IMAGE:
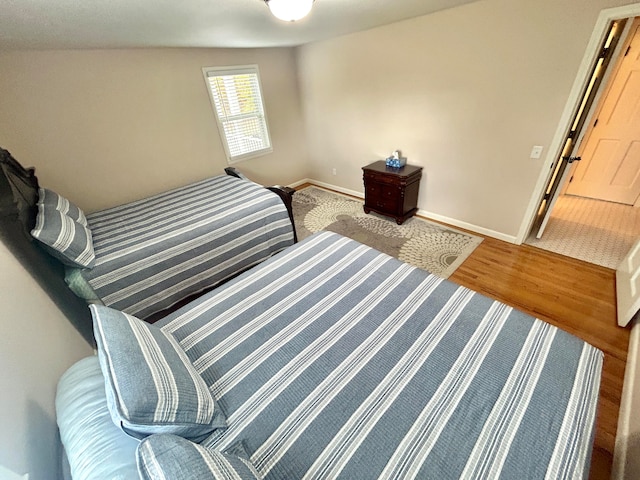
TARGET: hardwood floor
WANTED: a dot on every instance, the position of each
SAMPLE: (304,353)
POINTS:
(576,296)
(573,295)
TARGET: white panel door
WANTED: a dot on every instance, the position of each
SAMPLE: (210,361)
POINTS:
(610,166)
(628,286)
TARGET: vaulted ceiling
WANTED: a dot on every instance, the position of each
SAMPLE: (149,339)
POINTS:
(70,24)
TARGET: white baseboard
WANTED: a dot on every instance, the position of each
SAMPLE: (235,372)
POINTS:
(299,182)
(467,226)
(346,191)
(423,213)
(628,406)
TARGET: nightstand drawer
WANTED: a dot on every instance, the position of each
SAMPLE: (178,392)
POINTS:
(388,205)
(375,177)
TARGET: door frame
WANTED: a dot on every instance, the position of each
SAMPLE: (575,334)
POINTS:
(630,33)
(610,51)
(575,97)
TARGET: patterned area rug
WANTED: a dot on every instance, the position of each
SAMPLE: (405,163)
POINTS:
(432,247)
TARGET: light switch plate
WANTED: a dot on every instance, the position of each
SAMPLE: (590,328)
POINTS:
(536,151)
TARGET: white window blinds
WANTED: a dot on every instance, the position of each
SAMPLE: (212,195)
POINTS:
(237,101)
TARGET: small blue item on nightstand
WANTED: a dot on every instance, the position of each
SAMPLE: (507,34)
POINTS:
(396,160)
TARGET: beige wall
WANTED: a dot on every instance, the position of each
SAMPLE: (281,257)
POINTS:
(108,126)
(464,92)
(37,344)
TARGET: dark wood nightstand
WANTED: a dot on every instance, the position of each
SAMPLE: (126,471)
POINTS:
(391,191)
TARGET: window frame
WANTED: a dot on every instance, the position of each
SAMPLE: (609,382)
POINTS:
(237,70)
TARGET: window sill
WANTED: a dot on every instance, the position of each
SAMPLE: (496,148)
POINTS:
(249,156)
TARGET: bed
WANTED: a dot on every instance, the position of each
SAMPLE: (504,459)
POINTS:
(155,252)
(149,255)
(333,360)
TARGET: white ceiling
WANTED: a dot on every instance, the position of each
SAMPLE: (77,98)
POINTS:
(67,24)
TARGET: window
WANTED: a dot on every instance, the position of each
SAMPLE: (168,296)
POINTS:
(237,103)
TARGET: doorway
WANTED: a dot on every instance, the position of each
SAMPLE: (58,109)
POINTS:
(610,169)
(591,206)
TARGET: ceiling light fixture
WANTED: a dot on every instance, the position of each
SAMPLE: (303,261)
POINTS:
(289,10)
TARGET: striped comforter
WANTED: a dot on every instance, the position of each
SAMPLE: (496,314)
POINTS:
(155,252)
(334,360)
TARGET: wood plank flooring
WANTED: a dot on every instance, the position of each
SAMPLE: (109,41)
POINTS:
(577,297)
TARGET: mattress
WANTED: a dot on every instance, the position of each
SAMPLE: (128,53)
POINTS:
(333,360)
(95,446)
(157,251)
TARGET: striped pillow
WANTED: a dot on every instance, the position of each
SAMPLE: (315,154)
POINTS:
(169,457)
(151,385)
(66,239)
(51,198)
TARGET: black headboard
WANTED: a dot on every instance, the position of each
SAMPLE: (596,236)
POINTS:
(18,198)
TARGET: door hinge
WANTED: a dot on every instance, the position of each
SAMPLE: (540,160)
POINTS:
(571,179)
(627,51)
(596,122)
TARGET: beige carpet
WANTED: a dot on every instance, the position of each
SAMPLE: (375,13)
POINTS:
(590,230)
(427,245)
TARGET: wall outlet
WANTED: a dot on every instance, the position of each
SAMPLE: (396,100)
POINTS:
(536,151)
(334,171)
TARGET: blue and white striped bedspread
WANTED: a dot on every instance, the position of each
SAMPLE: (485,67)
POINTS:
(333,360)
(155,252)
